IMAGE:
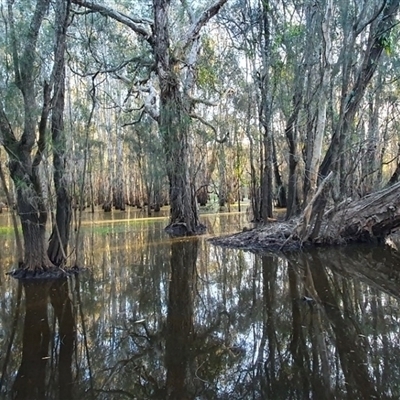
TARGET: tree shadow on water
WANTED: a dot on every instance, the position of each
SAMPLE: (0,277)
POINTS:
(48,344)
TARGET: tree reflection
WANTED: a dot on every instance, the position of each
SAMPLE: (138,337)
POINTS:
(30,379)
(180,330)
(351,349)
(181,320)
(46,371)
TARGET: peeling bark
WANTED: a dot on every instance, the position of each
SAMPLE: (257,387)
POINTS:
(60,234)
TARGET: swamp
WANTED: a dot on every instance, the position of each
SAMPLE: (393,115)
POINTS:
(199,199)
(158,318)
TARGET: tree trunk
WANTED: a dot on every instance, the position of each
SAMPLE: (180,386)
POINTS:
(174,125)
(60,234)
(119,187)
(371,218)
(222,189)
(265,118)
(378,37)
(24,165)
(33,216)
(321,119)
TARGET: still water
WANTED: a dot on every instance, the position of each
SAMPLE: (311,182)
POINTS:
(154,318)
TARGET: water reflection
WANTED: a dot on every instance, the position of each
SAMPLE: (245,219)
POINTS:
(46,350)
(161,319)
(180,330)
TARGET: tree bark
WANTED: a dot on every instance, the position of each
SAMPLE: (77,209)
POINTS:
(24,165)
(174,124)
(371,218)
(265,116)
(60,234)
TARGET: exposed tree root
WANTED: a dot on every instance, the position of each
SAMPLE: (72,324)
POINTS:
(273,237)
(45,273)
(367,220)
(180,229)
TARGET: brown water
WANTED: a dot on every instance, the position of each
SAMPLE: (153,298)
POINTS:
(159,319)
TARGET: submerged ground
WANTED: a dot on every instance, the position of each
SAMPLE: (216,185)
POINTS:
(154,318)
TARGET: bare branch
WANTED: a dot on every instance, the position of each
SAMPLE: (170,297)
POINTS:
(136,121)
(138,25)
(210,125)
(196,100)
(203,121)
(195,29)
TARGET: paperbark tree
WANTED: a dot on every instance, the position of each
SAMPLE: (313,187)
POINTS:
(24,164)
(317,141)
(265,113)
(60,233)
(380,26)
(175,70)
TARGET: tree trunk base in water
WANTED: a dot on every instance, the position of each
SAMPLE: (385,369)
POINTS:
(107,207)
(39,274)
(180,229)
(367,220)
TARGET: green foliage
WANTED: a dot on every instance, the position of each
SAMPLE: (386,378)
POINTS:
(6,230)
(206,67)
(289,39)
(386,41)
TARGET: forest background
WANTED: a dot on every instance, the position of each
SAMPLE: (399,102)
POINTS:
(184,103)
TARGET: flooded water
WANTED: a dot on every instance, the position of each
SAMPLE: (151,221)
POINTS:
(154,318)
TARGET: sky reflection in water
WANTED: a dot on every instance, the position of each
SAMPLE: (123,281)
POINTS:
(159,319)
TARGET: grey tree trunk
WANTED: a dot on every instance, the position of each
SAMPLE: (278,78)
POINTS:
(59,238)
(333,160)
(24,168)
(174,124)
(265,118)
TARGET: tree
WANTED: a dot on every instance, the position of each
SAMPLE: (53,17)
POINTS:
(381,23)
(60,233)
(175,70)
(24,164)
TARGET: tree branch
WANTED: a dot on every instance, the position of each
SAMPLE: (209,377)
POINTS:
(14,46)
(195,29)
(197,100)
(203,121)
(210,125)
(7,137)
(136,121)
(138,25)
